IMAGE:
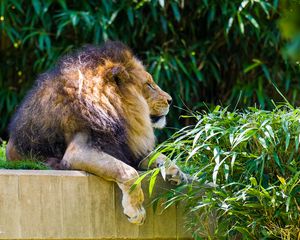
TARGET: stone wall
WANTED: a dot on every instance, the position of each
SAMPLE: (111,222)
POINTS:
(76,205)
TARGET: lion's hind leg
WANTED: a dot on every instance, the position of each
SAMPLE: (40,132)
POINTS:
(56,163)
(80,156)
(12,152)
(13,155)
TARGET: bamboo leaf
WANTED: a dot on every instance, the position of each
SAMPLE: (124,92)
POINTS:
(252,20)
(153,180)
(37,6)
(241,23)
(175,11)
(130,16)
(162,3)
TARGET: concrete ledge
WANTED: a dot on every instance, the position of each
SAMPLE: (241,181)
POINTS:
(76,205)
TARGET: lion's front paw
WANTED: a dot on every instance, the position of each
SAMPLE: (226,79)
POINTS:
(175,176)
(133,208)
(177,179)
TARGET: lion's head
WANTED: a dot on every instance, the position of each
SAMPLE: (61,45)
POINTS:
(158,102)
(137,85)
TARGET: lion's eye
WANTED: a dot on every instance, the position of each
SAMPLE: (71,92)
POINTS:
(151,86)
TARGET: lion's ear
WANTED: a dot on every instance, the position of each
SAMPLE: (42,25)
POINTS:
(118,74)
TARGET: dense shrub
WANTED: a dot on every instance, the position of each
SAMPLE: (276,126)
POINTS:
(213,51)
(247,168)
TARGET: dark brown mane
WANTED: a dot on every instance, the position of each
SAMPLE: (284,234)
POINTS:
(91,56)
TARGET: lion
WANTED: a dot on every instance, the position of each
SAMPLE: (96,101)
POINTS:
(95,111)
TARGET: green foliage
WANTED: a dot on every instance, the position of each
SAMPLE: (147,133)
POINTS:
(24,164)
(213,51)
(290,27)
(247,168)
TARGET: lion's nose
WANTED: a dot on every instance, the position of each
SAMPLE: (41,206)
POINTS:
(170,101)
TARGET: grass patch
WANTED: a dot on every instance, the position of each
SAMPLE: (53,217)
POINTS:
(248,169)
(24,164)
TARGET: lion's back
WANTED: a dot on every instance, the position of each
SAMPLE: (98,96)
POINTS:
(36,127)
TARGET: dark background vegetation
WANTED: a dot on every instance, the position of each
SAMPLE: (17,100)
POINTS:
(224,52)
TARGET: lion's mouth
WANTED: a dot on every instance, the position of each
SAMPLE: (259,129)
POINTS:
(155,118)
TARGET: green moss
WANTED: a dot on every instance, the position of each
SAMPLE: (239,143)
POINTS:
(23,164)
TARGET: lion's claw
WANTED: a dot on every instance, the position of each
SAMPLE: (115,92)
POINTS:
(139,218)
(177,179)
